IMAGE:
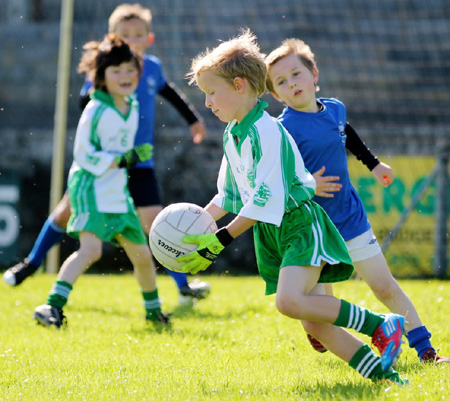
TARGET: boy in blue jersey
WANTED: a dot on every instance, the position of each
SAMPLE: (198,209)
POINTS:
(134,24)
(101,207)
(320,129)
(262,179)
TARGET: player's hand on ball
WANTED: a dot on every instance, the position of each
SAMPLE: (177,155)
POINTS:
(209,248)
(140,153)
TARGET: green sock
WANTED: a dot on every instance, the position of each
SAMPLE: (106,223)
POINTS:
(59,294)
(360,319)
(368,365)
(152,304)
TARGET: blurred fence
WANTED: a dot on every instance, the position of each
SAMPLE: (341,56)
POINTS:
(388,61)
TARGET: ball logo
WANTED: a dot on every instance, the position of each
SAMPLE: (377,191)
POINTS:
(170,249)
(194,210)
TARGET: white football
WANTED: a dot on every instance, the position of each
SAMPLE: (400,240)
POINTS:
(171,225)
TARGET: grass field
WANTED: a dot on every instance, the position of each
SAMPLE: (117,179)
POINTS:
(232,346)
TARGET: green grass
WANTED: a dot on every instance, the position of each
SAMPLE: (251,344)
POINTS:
(232,346)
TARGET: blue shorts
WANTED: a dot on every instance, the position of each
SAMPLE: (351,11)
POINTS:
(143,187)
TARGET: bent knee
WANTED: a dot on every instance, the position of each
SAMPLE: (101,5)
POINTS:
(290,306)
(62,217)
(62,212)
(315,329)
(91,255)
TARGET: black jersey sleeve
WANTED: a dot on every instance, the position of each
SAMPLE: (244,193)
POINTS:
(356,146)
(172,94)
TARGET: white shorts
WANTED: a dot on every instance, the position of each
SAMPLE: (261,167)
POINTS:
(363,247)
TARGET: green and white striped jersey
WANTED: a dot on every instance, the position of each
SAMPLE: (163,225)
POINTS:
(102,134)
(262,175)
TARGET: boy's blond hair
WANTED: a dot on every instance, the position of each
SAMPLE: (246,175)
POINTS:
(127,11)
(237,57)
(291,46)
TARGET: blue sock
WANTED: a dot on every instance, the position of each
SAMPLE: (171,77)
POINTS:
(180,278)
(419,338)
(51,234)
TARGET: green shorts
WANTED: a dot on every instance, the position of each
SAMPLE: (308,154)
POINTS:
(306,237)
(107,226)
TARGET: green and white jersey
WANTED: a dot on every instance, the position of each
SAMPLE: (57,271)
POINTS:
(102,134)
(262,175)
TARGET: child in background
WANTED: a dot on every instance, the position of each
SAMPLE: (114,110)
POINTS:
(263,180)
(101,207)
(134,23)
(320,129)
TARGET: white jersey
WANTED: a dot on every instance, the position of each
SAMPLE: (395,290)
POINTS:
(102,134)
(262,175)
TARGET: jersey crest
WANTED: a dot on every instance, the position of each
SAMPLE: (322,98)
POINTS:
(262,195)
(342,133)
(151,85)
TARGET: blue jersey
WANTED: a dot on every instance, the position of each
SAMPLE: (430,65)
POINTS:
(321,138)
(151,82)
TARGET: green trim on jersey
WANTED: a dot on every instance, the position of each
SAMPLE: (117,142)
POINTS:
(241,130)
(296,192)
(256,148)
(94,138)
(288,171)
(232,201)
(262,175)
(107,99)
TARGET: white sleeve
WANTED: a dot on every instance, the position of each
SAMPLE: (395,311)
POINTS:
(268,199)
(219,199)
(87,154)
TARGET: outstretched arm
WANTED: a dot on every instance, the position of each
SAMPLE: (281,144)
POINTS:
(382,172)
(356,146)
(178,100)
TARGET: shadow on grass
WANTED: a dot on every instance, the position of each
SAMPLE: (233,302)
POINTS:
(344,391)
(179,313)
(112,311)
(321,390)
(189,312)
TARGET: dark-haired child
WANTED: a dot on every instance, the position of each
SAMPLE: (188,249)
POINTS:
(101,207)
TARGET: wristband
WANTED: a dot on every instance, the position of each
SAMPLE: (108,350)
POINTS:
(224,236)
(120,161)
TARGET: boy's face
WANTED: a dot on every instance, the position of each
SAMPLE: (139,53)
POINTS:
(121,80)
(134,32)
(224,99)
(294,83)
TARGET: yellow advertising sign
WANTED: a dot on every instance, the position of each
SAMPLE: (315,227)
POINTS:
(411,253)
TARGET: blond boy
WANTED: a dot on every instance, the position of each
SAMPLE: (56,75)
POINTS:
(263,180)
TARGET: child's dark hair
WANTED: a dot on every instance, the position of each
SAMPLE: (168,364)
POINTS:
(98,56)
